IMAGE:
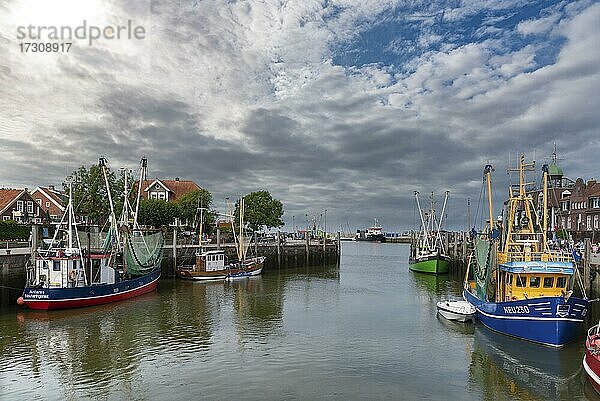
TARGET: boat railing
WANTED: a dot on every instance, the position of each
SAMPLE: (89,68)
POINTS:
(504,257)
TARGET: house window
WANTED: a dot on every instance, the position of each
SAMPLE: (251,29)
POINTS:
(19,206)
(161,195)
(596,221)
(39,201)
(29,206)
(569,223)
(588,223)
(595,203)
(153,195)
(548,282)
(4,218)
(564,205)
(47,204)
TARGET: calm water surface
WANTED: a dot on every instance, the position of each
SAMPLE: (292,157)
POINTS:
(365,330)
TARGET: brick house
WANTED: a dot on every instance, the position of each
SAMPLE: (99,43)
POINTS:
(169,190)
(18,205)
(52,201)
(573,205)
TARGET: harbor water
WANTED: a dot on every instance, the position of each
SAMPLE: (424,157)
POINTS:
(364,330)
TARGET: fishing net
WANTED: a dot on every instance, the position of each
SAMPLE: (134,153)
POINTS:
(485,253)
(143,252)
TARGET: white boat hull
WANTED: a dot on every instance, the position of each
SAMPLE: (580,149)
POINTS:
(460,311)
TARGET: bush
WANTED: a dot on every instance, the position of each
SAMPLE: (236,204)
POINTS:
(11,230)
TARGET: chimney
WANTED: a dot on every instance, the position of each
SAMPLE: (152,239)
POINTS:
(51,187)
(176,178)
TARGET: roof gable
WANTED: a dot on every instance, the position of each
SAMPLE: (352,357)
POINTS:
(8,197)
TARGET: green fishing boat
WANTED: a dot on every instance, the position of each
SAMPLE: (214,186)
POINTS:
(428,253)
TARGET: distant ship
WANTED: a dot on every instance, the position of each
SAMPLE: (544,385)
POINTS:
(373,234)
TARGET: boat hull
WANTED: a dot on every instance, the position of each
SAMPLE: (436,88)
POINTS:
(551,321)
(252,270)
(64,298)
(432,265)
(591,359)
(453,314)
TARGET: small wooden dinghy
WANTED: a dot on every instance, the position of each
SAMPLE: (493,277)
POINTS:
(456,310)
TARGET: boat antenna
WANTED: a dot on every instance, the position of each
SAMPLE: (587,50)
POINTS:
(103,164)
(143,178)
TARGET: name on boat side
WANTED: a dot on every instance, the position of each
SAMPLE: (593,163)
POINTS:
(516,309)
(38,294)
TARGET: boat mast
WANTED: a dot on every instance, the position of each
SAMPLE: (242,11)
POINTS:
(424,232)
(545,211)
(102,162)
(143,173)
(70,211)
(487,171)
(439,235)
(201,224)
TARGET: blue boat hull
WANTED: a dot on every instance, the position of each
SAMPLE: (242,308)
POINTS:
(63,298)
(547,320)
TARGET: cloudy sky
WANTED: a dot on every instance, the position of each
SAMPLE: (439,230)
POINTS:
(349,105)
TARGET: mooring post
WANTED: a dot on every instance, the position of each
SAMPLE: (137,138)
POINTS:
(339,245)
(587,254)
(218,238)
(34,239)
(307,246)
(175,248)
(278,248)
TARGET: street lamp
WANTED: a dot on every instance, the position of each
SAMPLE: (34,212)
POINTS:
(325,223)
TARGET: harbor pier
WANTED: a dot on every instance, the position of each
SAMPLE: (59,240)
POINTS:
(279,254)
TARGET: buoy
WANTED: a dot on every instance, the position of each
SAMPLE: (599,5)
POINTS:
(20,301)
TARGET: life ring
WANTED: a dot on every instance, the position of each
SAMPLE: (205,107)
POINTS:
(524,220)
(72,275)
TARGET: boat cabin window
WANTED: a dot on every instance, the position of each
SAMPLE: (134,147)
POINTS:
(534,282)
(561,282)
(510,276)
(521,282)
(56,265)
(548,282)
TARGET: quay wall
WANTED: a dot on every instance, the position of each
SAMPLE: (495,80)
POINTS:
(12,275)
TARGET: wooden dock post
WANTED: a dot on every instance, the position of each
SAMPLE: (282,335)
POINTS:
(175,248)
(587,254)
(278,248)
(307,247)
(339,245)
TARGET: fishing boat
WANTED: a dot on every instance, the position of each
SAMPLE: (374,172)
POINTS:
(66,275)
(373,233)
(213,264)
(521,288)
(591,359)
(428,253)
(460,311)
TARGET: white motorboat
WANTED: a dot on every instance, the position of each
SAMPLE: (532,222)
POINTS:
(456,310)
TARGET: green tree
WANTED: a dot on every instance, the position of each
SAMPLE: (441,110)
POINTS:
(90,197)
(261,210)
(157,212)
(189,204)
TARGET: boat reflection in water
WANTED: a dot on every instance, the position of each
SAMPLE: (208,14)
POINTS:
(506,367)
(467,328)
